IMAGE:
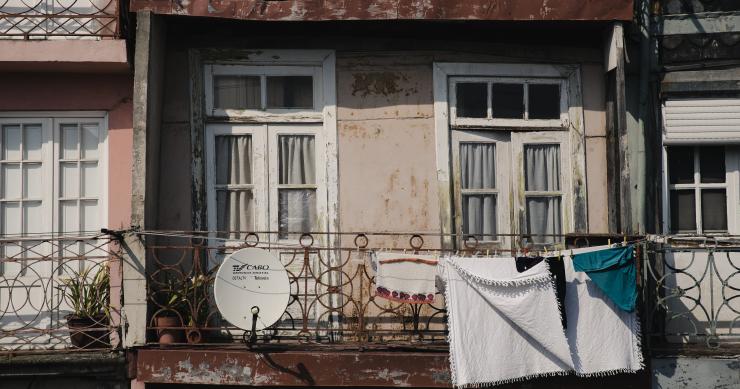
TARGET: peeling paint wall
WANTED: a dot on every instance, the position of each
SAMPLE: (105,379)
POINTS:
(385,124)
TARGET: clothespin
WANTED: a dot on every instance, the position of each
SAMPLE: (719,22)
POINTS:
(488,253)
(546,254)
(624,242)
(609,242)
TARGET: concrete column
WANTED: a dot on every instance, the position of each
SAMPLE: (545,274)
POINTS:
(148,85)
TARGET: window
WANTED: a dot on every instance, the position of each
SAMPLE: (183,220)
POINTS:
(510,163)
(698,188)
(52,179)
(267,165)
(508,102)
(264,92)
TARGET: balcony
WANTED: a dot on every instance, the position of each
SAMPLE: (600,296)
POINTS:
(59,294)
(49,19)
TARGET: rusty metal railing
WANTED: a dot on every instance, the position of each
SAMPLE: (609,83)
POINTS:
(59,293)
(31,19)
(689,294)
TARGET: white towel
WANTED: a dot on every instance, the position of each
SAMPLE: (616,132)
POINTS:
(408,278)
(504,326)
(603,339)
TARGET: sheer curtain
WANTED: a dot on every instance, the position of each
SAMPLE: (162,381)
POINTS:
(542,167)
(237,92)
(297,206)
(234,198)
(478,171)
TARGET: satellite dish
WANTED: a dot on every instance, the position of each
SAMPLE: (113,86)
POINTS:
(252,284)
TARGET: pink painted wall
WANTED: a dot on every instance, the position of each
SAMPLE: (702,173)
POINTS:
(85,92)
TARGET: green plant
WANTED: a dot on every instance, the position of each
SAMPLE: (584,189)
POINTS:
(189,298)
(88,294)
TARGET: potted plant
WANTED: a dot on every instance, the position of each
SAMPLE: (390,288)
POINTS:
(185,305)
(88,295)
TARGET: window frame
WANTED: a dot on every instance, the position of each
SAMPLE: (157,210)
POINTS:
(507,123)
(570,135)
(51,160)
(731,186)
(265,114)
(321,64)
(502,142)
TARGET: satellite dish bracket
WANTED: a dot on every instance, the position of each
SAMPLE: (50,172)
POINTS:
(253,335)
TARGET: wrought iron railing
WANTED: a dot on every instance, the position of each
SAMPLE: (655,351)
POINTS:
(59,18)
(59,293)
(689,295)
(692,294)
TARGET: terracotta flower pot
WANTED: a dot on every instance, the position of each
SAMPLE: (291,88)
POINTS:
(87,332)
(169,335)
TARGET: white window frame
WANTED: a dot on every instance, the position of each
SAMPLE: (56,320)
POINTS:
(51,121)
(502,191)
(568,132)
(519,141)
(507,123)
(731,186)
(319,122)
(313,114)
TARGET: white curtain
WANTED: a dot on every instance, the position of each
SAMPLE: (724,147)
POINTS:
(478,171)
(234,167)
(542,166)
(238,92)
(297,207)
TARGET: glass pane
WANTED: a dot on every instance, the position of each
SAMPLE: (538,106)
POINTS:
(714,210)
(297,159)
(69,216)
(542,167)
(33,217)
(11,175)
(544,101)
(297,212)
(472,100)
(290,92)
(32,185)
(681,164)
(712,164)
(479,216)
(683,211)
(90,141)
(32,142)
(69,141)
(507,101)
(233,160)
(89,215)
(478,165)
(234,212)
(544,219)
(90,182)
(12,143)
(11,218)
(238,92)
(69,185)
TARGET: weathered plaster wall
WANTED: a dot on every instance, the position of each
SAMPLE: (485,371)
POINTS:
(594,118)
(387,178)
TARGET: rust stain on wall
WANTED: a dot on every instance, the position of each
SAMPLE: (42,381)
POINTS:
(316,10)
(293,368)
(380,83)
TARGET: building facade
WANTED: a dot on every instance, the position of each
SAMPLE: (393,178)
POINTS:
(326,132)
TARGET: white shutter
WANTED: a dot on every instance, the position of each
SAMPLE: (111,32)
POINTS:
(701,121)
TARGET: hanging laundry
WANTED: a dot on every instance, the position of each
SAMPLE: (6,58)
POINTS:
(557,272)
(613,271)
(407,278)
(603,338)
(500,322)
